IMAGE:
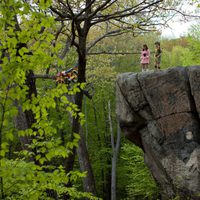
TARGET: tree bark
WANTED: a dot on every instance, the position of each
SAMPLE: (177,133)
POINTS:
(21,124)
(115,152)
(107,144)
(25,120)
(84,162)
(114,165)
(89,182)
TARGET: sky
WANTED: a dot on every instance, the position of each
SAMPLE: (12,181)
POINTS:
(177,29)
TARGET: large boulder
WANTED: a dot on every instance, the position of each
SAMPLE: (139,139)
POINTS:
(160,112)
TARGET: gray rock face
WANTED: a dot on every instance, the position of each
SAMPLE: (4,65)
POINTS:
(160,112)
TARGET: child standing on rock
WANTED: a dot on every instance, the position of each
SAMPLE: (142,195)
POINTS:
(145,58)
(157,55)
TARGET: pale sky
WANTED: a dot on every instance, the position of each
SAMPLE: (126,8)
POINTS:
(177,29)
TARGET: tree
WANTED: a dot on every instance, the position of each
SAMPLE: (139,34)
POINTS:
(115,152)
(33,169)
(27,44)
(115,17)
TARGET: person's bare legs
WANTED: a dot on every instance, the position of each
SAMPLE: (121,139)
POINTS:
(143,67)
(146,67)
(157,66)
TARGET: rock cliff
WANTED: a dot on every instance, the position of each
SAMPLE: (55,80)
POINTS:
(160,112)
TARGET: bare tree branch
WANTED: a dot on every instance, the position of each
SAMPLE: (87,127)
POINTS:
(70,9)
(44,76)
(86,8)
(124,13)
(113,53)
(66,49)
(61,15)
(183,14)
(120,31)
(107,34)
(99,8)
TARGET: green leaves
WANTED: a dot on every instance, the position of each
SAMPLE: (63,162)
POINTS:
(139,182)
(22,51)
(43,4)
(4,149)
(21,175)
(34,124)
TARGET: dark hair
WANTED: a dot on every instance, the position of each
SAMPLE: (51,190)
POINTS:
(157,43)
(145,47)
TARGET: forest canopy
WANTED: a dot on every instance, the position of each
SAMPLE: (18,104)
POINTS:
(61,139)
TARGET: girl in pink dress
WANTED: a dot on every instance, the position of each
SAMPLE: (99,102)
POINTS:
(145,58)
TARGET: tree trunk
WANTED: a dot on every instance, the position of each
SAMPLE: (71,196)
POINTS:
(89,182)
(21,124)
(83,157)
(86,122)
(106,171)
(115,151)
(114,164)
(25,120)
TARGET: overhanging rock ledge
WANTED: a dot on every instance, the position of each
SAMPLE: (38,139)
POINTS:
(160,112)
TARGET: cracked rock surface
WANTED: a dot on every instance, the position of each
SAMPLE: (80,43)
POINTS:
(160,112)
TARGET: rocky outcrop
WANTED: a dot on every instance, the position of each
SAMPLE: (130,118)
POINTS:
(160,112)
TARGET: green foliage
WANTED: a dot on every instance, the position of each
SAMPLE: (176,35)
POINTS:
(134,176)
(194,43)
(179,56)
(181,52)
(25,180)
(102,75)
(33,168)
(102,71)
